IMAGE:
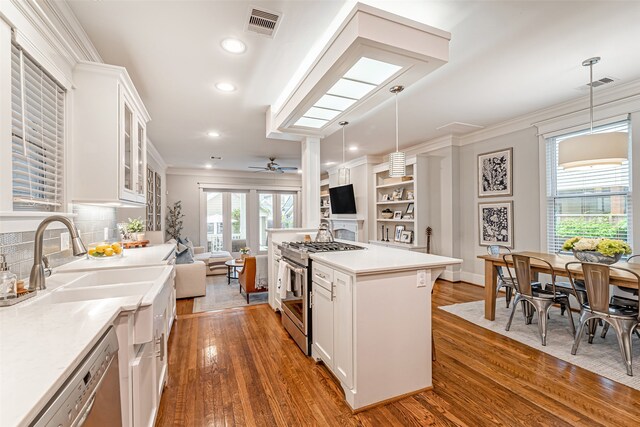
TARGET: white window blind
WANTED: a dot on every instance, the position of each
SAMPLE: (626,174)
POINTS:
(593,202)
(37,104)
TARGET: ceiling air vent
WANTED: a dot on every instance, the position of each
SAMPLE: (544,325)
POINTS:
(263,22)
(602,81)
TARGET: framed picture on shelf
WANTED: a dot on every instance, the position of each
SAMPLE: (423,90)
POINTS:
(495,173)
(399,231)
(385,197)
(398,193)
(409,210)
(397,215)
(496,223)
(406,236)
(409,194)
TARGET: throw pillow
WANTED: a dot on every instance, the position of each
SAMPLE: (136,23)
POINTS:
(183,255)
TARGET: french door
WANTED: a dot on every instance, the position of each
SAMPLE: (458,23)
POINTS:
(226,220)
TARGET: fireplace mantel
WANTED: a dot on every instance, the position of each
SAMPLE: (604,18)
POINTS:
(347,228)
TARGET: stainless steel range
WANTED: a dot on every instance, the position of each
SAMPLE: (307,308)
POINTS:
(296,312)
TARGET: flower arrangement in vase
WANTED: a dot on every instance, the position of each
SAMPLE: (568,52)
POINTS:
(135,227)
(603,251)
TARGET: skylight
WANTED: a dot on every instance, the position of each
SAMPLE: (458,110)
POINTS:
(350,89)
(371,71)
(311,123)
(362,78)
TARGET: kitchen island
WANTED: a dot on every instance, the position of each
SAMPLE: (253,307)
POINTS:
(371,320)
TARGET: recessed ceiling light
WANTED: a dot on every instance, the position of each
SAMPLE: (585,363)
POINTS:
(353,148)
(232,45)
(208,166)
(330,163)
(213,134)
(225,87)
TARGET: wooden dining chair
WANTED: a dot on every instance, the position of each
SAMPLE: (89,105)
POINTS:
(623,319)
(539,298)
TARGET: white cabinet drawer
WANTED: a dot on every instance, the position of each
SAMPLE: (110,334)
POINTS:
(322,272)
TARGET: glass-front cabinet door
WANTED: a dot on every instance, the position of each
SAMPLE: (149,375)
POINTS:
(133,161)
(141,137)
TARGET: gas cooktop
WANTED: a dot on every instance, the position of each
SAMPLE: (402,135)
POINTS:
(321,246)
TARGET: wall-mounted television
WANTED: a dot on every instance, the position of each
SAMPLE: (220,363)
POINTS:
(343,200)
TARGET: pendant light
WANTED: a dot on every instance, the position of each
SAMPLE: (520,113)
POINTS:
(593,149)
(398,159)
(344,174)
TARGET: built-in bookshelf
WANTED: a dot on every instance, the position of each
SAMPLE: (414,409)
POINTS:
(401,205)
(325,205)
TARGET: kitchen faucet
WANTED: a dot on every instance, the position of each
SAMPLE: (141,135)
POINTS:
(36,279)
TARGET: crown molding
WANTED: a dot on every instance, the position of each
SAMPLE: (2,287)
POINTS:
(363,160)
(155,154)
(619,97)
(224,173)
(70,29)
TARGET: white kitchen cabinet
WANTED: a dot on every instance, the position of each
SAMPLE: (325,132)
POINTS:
(332,324)
(343,328)
(322,321)
(145,400)
(108,154)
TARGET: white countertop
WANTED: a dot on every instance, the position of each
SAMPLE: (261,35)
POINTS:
(40,346)
(380,259)
(136,257)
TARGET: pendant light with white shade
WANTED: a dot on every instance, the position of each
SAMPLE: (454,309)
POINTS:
(344,174)
(593,149)
(397,159)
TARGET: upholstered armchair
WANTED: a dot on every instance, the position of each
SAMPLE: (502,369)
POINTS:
(252,277)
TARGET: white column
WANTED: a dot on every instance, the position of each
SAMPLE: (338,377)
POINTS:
(310,182)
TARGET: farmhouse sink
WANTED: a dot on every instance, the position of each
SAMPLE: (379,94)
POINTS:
(67,294)
(113,277)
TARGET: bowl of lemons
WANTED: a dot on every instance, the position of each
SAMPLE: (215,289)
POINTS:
(104,250)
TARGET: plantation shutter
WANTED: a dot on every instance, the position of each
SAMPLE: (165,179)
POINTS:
(587,203)
(37,131)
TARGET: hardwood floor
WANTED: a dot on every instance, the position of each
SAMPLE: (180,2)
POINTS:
(239,367)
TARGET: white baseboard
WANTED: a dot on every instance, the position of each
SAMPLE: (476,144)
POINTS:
(476,279)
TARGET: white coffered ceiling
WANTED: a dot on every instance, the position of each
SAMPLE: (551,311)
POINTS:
(507,58)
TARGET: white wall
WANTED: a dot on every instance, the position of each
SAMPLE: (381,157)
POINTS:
(526,198)
(184,185)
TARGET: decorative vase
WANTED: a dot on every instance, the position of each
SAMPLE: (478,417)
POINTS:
(593,256)
(140,237)
(243,256)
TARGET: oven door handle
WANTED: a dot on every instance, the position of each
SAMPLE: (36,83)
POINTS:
(297,270)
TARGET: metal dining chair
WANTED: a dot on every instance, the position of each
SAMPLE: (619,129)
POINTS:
(624,301)
(623,319)
(503,282)
(540,299)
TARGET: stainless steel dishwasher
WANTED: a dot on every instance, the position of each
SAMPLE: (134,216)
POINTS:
(91,396)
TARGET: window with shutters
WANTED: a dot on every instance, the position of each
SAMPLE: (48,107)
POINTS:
(588,202)
(37,104)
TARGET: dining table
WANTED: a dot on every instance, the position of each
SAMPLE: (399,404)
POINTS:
(557,262)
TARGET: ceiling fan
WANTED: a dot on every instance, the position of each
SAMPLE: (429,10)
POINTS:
(272,166)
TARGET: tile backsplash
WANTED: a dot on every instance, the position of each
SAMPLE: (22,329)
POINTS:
(90,221)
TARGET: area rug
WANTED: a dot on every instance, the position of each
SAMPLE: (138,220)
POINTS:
(602,357)
(220,295)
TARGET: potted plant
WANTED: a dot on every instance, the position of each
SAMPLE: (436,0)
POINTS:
(603,251)
(174,220)
(244,252)
(136,228)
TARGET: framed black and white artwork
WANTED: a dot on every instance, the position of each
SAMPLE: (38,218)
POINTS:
(496,223)
(494,173)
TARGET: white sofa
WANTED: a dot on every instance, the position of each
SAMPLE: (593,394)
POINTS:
(191,280)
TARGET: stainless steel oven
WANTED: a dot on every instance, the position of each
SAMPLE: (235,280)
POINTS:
(296,312)
(295,307)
